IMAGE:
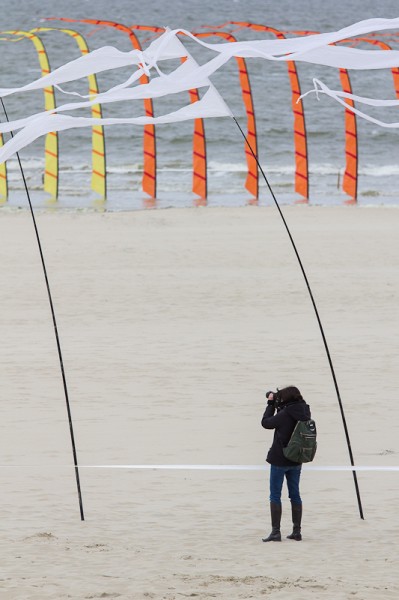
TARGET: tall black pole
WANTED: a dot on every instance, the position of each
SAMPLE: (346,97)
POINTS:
(75,459)
(318,320)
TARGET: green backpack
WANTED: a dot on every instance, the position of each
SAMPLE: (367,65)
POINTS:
(302,445)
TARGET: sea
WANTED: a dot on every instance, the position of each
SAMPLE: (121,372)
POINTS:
(377,146)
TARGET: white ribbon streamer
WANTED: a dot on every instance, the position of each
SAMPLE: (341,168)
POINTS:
(321,88)
(314,49)
(185,77)
(211,105)
(103,59)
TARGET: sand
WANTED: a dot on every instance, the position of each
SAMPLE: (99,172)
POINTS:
(173,324)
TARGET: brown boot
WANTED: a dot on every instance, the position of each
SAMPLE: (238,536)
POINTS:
(296,510)
(275,513)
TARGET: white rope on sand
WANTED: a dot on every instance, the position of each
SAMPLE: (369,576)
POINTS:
(239,467)
(210,467)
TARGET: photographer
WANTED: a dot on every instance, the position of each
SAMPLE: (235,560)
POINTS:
(284,408)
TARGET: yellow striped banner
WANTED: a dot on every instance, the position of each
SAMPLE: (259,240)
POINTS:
(51,141)
(99,173)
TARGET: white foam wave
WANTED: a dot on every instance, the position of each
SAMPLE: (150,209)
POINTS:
(27,163)
(129,168)
(379,171)
(325,169)
(31,164)
(226,167)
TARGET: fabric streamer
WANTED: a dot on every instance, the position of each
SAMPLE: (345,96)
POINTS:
(321,88)
(100,60)
(314,49)
(180,80)
(211,105)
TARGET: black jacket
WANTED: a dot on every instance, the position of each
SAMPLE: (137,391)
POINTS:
(283,422)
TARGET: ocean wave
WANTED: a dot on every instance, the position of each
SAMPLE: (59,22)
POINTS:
(27,163)
(227,167)
(379,170)
(122,169)
(35,167)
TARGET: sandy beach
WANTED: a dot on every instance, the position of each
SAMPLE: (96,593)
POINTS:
(173,324)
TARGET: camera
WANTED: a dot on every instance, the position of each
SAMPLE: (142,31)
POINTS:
(276,397)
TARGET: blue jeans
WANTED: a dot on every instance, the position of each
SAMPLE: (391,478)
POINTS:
(292,474)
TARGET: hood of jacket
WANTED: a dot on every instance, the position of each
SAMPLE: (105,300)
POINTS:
(300,411)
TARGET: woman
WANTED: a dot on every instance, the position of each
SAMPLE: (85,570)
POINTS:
(284,408)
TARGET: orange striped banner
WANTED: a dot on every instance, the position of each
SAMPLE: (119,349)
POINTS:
(252,180)
(199,156)
(349,184)
(3,176)
(300,139)
(350,181)
(200,179)
(350,178)
(149,182)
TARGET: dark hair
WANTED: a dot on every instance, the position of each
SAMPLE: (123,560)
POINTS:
(289,394)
